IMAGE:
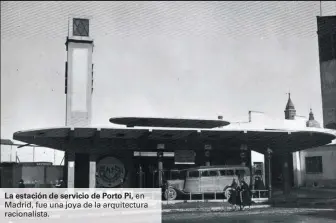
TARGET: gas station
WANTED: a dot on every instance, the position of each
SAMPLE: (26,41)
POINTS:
(118,156)
(107,156)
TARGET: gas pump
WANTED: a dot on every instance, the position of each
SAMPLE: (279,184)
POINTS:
(141,176)
(258,176)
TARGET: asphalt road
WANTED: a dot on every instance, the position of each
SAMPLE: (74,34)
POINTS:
(290,215)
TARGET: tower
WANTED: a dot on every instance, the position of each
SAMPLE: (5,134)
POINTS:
(290,111)
(79,73)
(78,85)
(327,57)
(311,121)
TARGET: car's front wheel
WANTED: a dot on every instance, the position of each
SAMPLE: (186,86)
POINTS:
(170,194)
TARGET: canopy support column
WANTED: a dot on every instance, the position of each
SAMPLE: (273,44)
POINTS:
(285,172)
(140,176)
(160,147)
(243,154)
(92,171)
(71,169)
(207,149)
(268,175)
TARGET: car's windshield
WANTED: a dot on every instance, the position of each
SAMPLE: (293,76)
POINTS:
(177,175)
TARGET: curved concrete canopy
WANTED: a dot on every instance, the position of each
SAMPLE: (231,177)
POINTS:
(169,122)
(331,125)
(86,139)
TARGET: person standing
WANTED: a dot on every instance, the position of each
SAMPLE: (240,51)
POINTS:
(60,184)
(63,184)
(21,184)
(244,193)
(36,184)
(231,193)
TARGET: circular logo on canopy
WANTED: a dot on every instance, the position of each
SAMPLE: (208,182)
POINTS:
(207,154)
(110,172)
(242,155)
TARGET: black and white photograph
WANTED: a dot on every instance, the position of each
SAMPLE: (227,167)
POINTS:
(224,109)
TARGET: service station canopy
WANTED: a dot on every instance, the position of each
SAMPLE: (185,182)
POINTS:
(169,122)
(146,139)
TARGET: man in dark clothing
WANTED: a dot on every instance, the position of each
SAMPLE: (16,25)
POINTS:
(259,185)
(231,193)
(60,184)
(63,184)
(21,184)
(234,184)
(244,194)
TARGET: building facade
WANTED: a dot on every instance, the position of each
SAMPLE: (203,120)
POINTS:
(316,166)
(326,30)
(33,174)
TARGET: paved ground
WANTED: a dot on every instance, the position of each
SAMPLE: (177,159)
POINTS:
(290,215)
(297,198)
(307,193)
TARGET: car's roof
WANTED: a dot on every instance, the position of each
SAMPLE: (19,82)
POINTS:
(218,167)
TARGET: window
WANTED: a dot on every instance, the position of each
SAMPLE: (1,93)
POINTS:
(226,172)
(240,173)
(193,174)
(209,173)
(177,175)
(314,164)
(229,172)
(205,173)
(183,174)
(213,173)
(258,172)
(81,27)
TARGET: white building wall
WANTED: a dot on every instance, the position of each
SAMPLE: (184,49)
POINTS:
(31,154)
(7,153)
(327,177)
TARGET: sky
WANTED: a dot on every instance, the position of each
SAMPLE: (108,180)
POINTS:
(162,59)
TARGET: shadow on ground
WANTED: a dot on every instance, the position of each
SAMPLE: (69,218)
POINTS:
(303,204)
(331,215)
(304,198)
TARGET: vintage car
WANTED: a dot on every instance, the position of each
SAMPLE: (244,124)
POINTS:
(203,180)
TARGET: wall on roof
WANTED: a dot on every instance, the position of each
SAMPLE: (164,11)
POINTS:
(260,120)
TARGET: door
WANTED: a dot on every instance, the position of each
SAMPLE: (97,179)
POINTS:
(209,181)
(225,178)
(192,183)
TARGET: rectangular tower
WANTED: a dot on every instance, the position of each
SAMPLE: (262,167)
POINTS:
(79,73)
(326,26)
(78,84)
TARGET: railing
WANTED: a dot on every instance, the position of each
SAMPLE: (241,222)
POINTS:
(260,193)
(257,195)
